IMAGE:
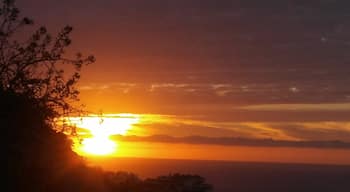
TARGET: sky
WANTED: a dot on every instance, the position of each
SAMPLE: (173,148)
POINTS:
(238,69)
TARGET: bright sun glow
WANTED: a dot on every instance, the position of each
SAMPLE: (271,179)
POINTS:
(98,146)
(101,128)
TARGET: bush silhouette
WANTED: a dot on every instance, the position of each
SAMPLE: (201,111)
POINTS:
(36,155)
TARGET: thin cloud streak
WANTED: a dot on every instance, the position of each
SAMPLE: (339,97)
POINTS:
(233,141)
(292,131)
(299,107)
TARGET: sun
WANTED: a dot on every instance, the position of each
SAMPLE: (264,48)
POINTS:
(98,146)
(100,128)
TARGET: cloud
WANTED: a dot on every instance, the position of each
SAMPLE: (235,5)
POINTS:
(234,141)
(94,87)
(264,95)
(186,129)
(321,131)
(292,131)
(299,107)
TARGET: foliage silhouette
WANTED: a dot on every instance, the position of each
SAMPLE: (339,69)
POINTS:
(34,90)
(36,155)
(177,182)
(34,67)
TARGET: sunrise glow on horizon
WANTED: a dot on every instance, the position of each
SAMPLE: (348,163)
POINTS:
(97,132)
(135,135)
(184,82)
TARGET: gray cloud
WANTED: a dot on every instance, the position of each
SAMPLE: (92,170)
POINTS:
(274,91)
(233,141)
(184,129)
(318,131)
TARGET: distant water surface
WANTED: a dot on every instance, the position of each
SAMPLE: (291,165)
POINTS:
(241,176)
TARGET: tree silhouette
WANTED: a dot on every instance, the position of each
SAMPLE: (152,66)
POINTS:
(34,67)
(36,155)
(177,182)
(34,90)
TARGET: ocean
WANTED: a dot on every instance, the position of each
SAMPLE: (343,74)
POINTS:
(228,176)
